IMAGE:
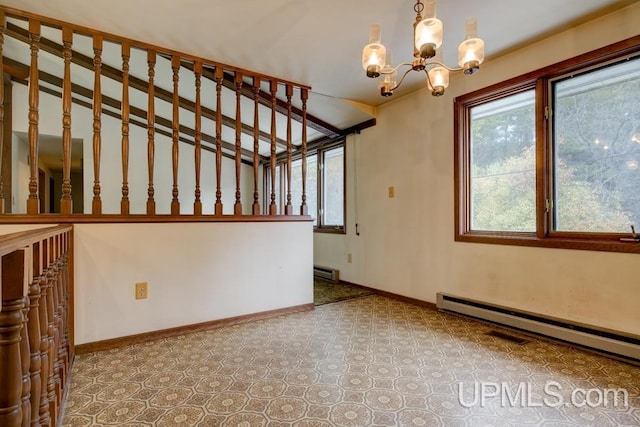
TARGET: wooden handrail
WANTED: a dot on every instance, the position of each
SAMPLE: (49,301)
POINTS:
(80,29)
(14,241)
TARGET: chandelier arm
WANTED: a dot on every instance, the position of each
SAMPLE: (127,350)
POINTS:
(397,67)
(401,80)
(429,85)
(443,66)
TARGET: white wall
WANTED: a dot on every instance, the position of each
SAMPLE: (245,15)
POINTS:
(406,244)
(197,272)
(50,123)
(20,170)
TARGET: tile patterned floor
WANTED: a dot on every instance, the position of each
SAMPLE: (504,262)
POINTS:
(370,361)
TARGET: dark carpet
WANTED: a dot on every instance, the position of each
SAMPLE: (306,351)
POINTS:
(325,292)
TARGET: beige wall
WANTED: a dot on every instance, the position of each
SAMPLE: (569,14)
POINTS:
(406,244)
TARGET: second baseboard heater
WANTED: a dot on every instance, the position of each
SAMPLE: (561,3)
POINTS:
(612,342)
(326,273)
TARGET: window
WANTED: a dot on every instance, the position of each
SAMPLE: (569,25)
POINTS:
(332,209)
(324,187)
(552,158)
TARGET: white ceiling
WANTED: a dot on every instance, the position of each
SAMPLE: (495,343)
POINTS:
(317,43)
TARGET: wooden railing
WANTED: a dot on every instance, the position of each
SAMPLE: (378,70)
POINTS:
(36,325)
(254,142)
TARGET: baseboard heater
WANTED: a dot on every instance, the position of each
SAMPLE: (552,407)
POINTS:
(621,344)
(326,273)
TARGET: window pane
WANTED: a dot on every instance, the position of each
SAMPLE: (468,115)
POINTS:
(597,149)
(503,164)
(333,187)
(311,186)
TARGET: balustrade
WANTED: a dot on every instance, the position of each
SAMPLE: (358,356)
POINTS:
(220,140)
(35,318)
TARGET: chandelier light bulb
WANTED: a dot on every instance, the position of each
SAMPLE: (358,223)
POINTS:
(428,32)
(438,77)
(388,77)
(373,54)
(471,50)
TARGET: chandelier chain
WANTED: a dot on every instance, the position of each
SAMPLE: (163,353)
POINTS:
(418,7)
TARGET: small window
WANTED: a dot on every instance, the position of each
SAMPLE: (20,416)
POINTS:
(324,187)
(333,187)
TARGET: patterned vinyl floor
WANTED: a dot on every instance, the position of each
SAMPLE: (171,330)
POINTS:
(370,361)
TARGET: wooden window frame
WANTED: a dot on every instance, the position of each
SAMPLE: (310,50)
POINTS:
(539,80)
(281,177)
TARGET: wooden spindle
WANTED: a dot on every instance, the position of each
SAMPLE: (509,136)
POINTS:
(219,77)
(66,204)
(33,203)
(33,326)
(288,209)
(256,144)
(43,312)
(64,277)
(2,24)
(151,123)
(96,204)
(197,71)
(25,361)
(273,208)
(62,356)
(124,202)
(11,324)
(175,66)
(69,293)
(237,207)
(52,334)
(304,95)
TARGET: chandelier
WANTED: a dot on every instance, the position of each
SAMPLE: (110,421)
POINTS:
(427,32)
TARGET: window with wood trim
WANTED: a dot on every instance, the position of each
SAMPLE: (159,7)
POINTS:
(552,158)
(325,186)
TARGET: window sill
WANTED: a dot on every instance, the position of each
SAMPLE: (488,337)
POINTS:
(558,242)
(330,230)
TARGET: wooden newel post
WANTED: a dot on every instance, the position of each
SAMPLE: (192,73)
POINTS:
(11,324)
(66,204)
(219,76)
(273,207)
(175,203)
(304,95)
(237,207)
(256,144)
(96,203)
(33,324)
(2,142)
(124,202)
(151,131)
(33,203)
(288,209)
(197,71)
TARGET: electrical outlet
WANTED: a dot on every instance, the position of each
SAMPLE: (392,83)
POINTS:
(141,290)
(349,258)
(392,192)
